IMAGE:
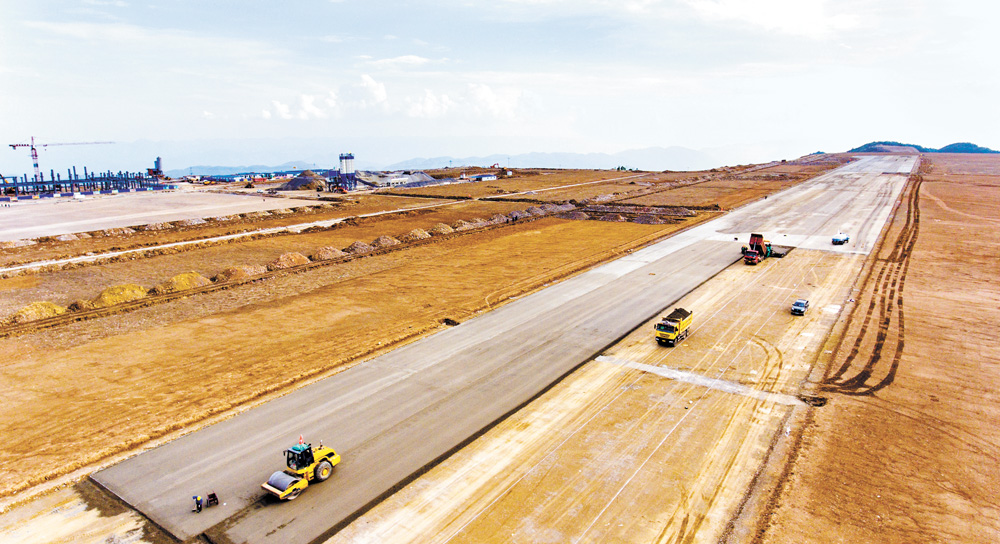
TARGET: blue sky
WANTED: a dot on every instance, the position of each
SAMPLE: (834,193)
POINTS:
(254,82)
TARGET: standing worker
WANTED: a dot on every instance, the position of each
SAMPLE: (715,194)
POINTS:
(197,503)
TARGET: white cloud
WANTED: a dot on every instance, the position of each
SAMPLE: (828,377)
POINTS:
(376,93)
(284,110)
(310,109)
(486,101)
(429,106)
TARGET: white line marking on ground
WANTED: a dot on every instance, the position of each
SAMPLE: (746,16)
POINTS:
(710,383)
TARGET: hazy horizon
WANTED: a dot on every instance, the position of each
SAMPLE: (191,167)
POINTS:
(749,81)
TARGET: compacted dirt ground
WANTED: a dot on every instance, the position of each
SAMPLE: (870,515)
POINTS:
(127,380)
(904,450)
(908,449)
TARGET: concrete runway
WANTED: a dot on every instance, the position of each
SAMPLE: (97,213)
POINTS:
(54,216)
(392,416)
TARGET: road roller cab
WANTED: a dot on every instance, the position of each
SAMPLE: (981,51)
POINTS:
(305,466)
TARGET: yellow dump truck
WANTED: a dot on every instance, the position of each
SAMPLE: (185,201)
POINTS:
(674,327)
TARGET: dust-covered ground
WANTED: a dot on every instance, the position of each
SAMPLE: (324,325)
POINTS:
(908,448)
(126,381)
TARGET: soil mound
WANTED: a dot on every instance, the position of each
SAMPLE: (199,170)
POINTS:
(36,311)
(535,210)
(191,222)
(118,294)
(440,229)
(239,273)
(414,235)
(579,216)
(181,282)
(306,181)
(384,241)
(498,219)
(613,217)
(461,225)
(358,248)
(649,220)
(157,226)
(282,211)
(327,254)
(67,237)
(518,214)
(288,260)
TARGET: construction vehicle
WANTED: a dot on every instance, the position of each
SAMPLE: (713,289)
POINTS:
(305,466)
(758,249)
(841,239)
(674,328)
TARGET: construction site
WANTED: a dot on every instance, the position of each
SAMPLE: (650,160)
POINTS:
(740,355)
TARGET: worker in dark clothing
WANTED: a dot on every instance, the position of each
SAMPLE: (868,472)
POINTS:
(197,503)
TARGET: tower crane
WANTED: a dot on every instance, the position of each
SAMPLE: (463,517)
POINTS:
(34,151)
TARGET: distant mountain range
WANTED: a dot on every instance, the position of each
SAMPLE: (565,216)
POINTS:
(650,159)
(258,168)
(962,147)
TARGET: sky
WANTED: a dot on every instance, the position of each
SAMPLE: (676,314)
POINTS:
(219,82)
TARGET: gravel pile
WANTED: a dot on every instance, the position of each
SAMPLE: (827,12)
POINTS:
(36,311)
(384,241)
(288,260)
(440,229)
(118,294)
(461,225)
(327,254)
(358,248)
(414,235)
(239,273)
(181,282)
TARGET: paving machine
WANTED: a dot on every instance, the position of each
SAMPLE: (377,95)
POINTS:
(305,466)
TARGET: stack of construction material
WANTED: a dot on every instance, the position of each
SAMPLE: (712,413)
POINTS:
(306,181)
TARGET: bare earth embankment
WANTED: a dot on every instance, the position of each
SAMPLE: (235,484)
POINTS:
(907,448)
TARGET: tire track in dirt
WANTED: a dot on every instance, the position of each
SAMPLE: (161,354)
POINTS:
(687,526)
(887,298)
(655,411)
